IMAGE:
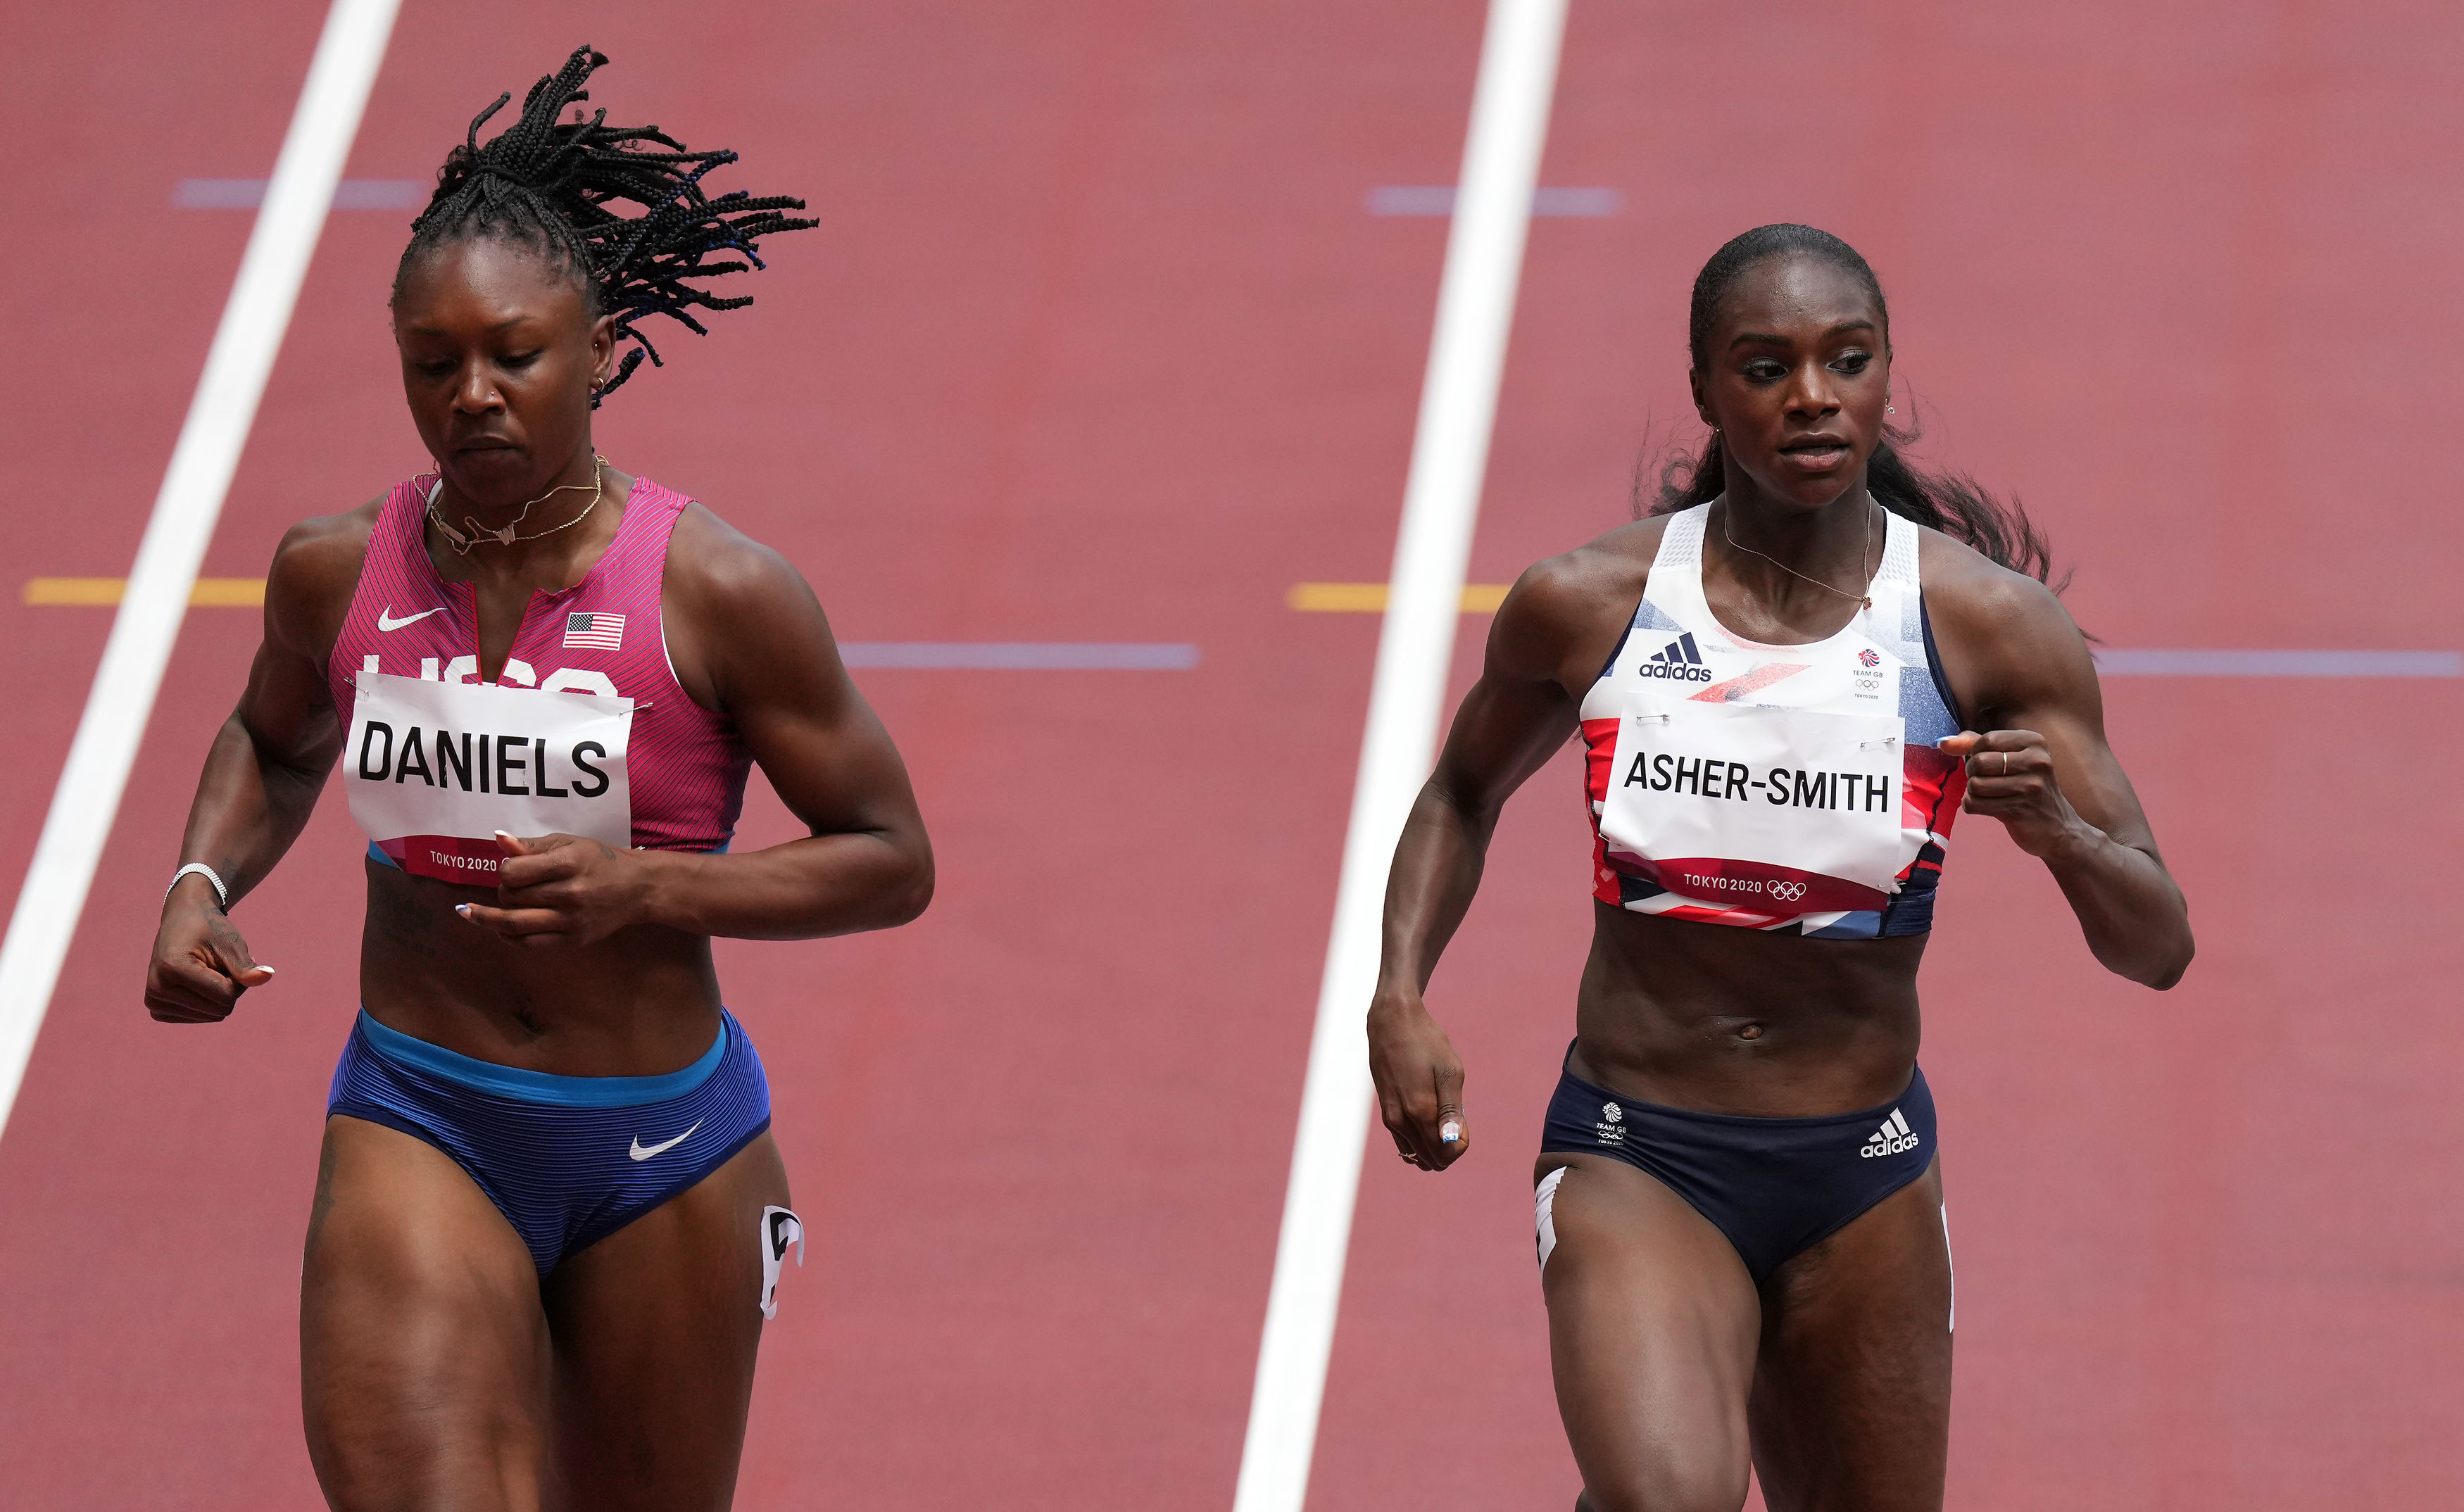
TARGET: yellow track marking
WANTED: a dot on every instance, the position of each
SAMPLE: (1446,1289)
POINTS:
(1369,598)
(210,593)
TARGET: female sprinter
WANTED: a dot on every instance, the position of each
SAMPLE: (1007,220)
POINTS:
(1739,1212)
(548,1198)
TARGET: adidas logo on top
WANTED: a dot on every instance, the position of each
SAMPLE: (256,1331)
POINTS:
(1893,1138)
(1678,661)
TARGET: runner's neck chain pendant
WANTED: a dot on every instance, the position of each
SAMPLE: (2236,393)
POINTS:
(462,544)
(1865,599)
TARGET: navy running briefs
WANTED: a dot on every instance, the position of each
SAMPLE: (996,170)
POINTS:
(1774,1186)
(567,1159)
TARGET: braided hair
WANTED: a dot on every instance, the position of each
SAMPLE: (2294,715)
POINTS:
(1949,502)
(546,185)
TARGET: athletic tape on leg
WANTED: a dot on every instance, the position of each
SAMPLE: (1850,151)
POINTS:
(779,1227)
(1544,1212)
(1950,1269)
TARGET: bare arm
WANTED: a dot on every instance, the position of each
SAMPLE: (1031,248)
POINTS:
(1514,719)
(750,639)
(261,777)
(2044,769)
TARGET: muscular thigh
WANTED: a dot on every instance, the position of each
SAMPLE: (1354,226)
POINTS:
(655,1330)
(1852,1402)
(1652,1329)
(422,1345)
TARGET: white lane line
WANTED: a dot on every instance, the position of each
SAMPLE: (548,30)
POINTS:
(192,499)
(1510,122)
(1438,199)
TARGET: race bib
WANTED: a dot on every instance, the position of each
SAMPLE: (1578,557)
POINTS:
(1785,809)
(433,769)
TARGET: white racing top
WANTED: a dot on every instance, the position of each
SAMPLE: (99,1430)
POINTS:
(1772,787)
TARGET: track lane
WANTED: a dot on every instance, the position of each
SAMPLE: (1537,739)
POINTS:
(1088,349)
(108,345)
(2203,1240)
(2152,273)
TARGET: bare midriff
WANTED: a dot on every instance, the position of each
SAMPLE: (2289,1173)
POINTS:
(643,1002)
(1739,1021)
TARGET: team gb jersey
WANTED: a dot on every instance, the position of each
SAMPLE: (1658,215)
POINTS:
(1795,788)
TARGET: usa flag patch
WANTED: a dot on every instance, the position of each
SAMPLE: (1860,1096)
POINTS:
(599,631)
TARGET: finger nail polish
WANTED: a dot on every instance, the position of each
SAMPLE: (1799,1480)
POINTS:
(462,909)
(1451,1133)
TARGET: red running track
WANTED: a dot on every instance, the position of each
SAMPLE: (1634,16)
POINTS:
(1097,345)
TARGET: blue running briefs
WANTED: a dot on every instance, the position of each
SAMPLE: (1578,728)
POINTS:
(1774,1186)
(567,1159)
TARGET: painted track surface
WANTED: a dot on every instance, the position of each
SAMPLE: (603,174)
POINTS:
(1097,345)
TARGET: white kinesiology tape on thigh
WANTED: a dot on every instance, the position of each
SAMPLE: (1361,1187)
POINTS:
(1951,1269)
(1544,1212)
(779,1228)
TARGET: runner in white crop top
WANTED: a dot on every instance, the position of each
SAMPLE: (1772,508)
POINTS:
(1706,803)
(1737,1196)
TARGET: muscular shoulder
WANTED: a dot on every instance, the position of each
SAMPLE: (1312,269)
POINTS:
(2004,638)
(713,567)
(1563,617)
(1977,599)
(738,609)
(309,583)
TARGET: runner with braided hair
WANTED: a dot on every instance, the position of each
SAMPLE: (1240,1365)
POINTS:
(549,1217)
(546,183)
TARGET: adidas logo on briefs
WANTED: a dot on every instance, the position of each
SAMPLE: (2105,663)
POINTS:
(1679,662)
(1892,1138)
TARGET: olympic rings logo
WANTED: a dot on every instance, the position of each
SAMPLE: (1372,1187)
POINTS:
(1788,891)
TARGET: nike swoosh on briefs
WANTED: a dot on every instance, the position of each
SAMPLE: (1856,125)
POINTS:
(642,1151)
(386,621)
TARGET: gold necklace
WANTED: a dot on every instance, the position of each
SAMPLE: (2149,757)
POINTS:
(1866,597)
(462,544)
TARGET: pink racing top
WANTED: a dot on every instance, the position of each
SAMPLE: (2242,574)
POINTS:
(686,765)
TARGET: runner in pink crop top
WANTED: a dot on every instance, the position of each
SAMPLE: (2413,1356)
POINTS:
(549,1193)
(602,636)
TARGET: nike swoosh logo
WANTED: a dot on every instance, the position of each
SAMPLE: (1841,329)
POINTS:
(642,1151)
(386,621)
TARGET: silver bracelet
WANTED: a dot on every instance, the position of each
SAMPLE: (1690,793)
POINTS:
(222,894)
